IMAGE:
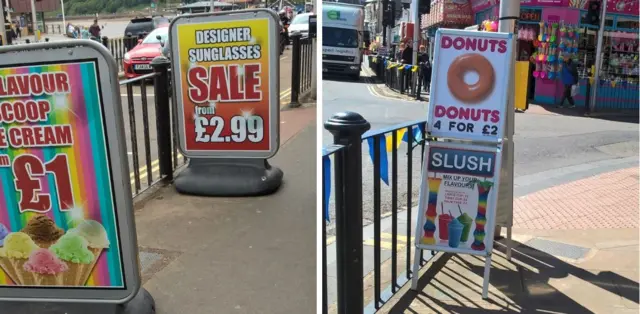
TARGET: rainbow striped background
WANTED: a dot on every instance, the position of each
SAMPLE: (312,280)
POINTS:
(88,165)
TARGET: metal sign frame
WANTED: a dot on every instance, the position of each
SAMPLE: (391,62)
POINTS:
(109,92)
(504,97)
(274,79)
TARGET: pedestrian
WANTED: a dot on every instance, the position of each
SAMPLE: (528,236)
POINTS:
(407,54)
(426,69)
(95,29)
(399,52)
(569,77)
(18,30)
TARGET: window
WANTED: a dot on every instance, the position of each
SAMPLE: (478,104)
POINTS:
(301,19)
(152,37)
(339,37)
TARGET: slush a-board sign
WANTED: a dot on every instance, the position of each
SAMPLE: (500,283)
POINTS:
(458,198)
(469,90)
(66,222)
(226,79)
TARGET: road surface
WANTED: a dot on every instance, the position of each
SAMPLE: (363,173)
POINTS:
(545,144)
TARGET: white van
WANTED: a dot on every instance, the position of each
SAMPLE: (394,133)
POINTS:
(342,38)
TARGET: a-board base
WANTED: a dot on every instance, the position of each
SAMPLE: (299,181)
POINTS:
(228,177)
(142,303)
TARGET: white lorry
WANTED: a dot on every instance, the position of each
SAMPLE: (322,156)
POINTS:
(342,38)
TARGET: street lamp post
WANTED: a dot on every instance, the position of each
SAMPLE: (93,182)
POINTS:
(34,20)
(64,22)
(596,75)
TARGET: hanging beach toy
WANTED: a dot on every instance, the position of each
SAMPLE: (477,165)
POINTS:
(553,32)
(541,31)
(563,31)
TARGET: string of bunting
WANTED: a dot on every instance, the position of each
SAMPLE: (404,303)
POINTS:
(385,146)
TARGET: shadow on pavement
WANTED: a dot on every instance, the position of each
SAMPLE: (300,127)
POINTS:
(521,286)
(340,78)
(623,115)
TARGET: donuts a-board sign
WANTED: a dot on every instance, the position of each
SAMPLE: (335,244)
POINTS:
(458,198)
(470,85)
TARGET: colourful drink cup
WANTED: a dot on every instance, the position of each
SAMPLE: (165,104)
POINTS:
(455,231)
(466,221)
(443,223)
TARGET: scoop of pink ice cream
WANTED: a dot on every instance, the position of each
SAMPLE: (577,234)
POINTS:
(43,261)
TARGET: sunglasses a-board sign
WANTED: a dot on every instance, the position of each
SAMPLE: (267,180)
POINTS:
(461,173)
(67,232)
(225,69)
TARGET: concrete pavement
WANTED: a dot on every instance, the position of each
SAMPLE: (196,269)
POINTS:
(238,255)
(577,256)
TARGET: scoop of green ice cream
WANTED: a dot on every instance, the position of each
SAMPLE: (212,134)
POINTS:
(72,247)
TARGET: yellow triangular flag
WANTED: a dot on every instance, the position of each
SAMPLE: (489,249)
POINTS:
(389,139)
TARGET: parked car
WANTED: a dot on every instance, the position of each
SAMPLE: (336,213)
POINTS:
(141,25)
(300,25)
(137,61)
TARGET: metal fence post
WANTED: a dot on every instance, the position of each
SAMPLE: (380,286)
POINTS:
(347,129)
(295,70)
(161,87)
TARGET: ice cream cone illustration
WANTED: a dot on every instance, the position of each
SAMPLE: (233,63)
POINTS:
(3,234)
(17,248)
(432,213)
(44,269)
(97,241)
(484,187)
(72,248)
(43,231)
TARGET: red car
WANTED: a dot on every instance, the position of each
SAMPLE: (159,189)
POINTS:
(137,61)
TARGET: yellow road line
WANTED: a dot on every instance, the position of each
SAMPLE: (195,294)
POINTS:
(387,244)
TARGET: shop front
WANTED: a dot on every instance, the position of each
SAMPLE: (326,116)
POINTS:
(551,30)
(445,14)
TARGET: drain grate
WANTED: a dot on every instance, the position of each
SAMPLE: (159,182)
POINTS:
(148,259)
(558,249)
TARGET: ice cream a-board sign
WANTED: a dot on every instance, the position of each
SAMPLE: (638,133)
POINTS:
(66,223)
(458,201)
(227,84)
(469,89)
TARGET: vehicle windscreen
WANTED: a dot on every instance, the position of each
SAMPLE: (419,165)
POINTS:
(152,37)
(139,26)
(301,19)
(339,37)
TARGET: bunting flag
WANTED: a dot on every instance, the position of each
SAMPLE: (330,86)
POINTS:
(384,164)
(414,69)
(326,180)
(401,135)
(407,67)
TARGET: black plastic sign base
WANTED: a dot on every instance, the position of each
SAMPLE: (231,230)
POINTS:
(229,177)
(142,303)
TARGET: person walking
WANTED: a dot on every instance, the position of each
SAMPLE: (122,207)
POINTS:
(399,52)
(95,29)
(407,54)
(569,77)
(423,59)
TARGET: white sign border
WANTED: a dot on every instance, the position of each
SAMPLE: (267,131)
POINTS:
(493,198)
(504,97)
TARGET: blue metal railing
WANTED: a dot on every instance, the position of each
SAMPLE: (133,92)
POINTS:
(381,142)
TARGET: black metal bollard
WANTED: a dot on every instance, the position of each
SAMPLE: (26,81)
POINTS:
(105,41)
(295,70)
(161,88)
(27,41)
(347,129)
